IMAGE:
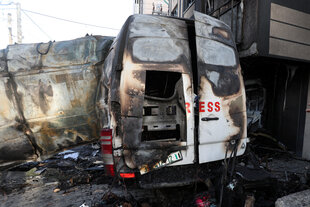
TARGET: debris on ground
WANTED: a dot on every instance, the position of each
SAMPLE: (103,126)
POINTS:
(112,200)
(81,165)
(76,174)
(264,174)
(205,200)
(288,173)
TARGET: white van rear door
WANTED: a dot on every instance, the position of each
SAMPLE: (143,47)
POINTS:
(222,111)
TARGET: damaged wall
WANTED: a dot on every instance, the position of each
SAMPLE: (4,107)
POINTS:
(48,96)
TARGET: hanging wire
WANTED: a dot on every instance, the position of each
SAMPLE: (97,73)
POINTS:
(37,25)
(68,20)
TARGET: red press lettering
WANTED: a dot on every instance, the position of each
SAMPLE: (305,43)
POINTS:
(210,106)
(188,105)
(217,106)
(201,106)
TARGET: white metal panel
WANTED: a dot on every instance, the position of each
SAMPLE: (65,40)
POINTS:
(221,90)
(189,153)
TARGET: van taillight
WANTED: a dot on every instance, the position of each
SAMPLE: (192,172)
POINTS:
(107,151)
(127,175)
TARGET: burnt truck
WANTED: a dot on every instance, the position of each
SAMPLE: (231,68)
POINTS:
(171,100)
(48,93)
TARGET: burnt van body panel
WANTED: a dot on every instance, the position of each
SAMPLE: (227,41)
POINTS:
(148,116)
(164,72)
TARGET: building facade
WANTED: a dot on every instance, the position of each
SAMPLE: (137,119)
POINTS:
(154,7)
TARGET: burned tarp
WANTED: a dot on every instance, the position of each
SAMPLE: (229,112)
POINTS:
(48,93)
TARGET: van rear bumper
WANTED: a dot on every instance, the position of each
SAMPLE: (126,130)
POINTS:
(175,176)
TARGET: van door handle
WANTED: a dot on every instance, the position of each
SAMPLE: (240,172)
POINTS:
(209,118)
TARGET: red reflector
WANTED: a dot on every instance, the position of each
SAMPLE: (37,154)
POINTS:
(106,141)
(109,169)
(106,132)
(127,175)
(106,149)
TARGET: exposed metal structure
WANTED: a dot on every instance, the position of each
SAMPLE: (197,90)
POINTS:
(48,96)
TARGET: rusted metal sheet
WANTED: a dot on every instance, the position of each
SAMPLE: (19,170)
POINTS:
(48,96)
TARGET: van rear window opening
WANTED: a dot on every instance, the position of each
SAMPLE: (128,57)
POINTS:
(162,115)
(161,84)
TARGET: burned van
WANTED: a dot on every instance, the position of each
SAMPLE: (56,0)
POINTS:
(172,99)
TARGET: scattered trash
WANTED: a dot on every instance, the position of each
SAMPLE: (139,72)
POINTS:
(84,205)
(31,172)
(100,168)
(25,166)
(97,162)
(66,152)
(51,183)
(231,186)
(74,156)
(110,199)
(95,146)
(38,172)
(205,200)
(56,190)
(95,153)
(250,201)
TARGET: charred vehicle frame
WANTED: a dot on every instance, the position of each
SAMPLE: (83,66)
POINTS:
(171,94)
